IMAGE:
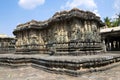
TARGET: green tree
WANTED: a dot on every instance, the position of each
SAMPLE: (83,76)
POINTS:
(108,22)
(116,22)
(118,19)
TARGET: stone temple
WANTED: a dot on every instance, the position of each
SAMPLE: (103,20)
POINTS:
(67,43)
(7,44)
(73,32)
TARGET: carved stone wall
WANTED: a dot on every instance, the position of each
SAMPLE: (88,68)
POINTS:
(7,44)
(65,32)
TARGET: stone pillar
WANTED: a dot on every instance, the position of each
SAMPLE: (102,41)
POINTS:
(104,46)
(112,45)
(118,44)
(0,44)
(108,45)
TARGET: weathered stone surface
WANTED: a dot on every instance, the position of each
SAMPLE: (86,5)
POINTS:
(56,34)
(7,44)
(72,40)
(30,73)
(73,66)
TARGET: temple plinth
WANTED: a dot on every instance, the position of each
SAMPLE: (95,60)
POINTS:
(73,32)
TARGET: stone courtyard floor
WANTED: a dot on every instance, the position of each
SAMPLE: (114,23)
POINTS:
(29,73)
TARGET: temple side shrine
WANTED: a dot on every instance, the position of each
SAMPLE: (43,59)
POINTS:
(73,32)
(7,44)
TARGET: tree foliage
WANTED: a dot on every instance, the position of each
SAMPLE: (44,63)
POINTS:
(107,21)
(112,23)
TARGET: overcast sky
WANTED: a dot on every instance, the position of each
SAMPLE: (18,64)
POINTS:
(14,12)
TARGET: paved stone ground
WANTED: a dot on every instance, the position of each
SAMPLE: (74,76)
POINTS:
(29,73)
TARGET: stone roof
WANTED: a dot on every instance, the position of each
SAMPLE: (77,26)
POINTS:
(108,30)
(5,36)
(60,16)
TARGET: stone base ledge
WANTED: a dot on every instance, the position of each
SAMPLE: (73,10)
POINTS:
(69,65)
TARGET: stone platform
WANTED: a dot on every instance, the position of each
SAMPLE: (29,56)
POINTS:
(70,65)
